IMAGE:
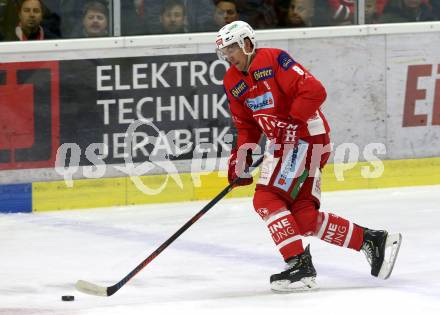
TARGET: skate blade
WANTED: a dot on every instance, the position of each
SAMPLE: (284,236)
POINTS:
(285,286)
(392,246)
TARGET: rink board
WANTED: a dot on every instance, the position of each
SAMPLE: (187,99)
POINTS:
(108,192)
(382,82)
(16,198)
(122,191)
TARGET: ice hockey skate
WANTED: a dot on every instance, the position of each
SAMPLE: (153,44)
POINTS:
(298,276)
(381,250)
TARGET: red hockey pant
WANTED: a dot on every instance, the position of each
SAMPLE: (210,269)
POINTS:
(289,218)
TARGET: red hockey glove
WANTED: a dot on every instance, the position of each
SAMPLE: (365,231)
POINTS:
(286,132)
(286,135)
(238,165)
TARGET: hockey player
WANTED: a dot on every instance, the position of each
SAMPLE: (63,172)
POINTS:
(270,93)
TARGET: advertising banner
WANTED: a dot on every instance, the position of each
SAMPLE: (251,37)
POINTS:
(181,96)
(413,96)
(29,119)
(177,101)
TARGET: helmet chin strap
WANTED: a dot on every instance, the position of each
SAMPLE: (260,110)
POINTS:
(249,55)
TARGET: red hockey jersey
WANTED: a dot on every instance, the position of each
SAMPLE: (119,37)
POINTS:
(276,87)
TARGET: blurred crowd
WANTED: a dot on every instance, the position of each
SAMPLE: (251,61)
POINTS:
(48,19)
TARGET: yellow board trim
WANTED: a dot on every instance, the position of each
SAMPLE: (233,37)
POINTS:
(85,193)
(107,192)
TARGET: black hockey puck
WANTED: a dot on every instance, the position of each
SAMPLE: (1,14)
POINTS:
(68,298)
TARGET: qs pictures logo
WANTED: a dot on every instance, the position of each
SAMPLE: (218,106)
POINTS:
(29,119)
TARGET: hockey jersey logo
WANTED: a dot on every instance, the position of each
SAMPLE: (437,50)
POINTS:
(263,74)
(285,60)
(239,89)
(264,101)
(266,123)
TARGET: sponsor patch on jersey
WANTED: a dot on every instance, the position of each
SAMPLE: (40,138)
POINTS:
(285,60)
(263,74)
(239,89)
(291,167)
(261,102)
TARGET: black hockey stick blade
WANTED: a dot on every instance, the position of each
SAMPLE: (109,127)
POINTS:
(93,289)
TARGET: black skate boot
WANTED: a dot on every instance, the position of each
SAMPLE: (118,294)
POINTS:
(299,275)
(374,246)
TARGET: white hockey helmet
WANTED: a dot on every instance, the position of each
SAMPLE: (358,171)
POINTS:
(235,32)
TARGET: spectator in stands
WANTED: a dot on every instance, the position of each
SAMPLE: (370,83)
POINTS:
(371,14)
(268,17)
(30,16)
(313,12)
(95,19)
(62,17)
(139,7)
(142,17)
(399,11)
(172,17)
(146,16)
(373,10)
(342,11)
(225,12)
(259,14)
(70,12)
(300,13)
(199,14)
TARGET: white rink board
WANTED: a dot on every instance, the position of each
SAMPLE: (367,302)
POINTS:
(352,71)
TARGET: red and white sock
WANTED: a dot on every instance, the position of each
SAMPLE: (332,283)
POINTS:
(339,231)
(285,233)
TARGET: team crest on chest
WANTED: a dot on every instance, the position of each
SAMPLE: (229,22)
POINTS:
(263,74)
(239,89)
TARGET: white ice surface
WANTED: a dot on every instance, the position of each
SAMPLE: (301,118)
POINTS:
(221,264)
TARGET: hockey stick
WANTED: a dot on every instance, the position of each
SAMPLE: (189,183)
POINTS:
(90,288)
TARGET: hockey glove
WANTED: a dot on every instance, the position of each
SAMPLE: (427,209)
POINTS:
(286,135)
(238,166)
(286,132)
